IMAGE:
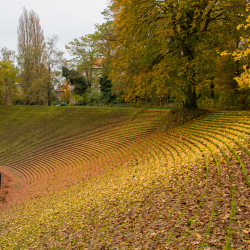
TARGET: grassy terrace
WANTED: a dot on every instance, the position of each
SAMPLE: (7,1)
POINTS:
(50,148)
(134,186)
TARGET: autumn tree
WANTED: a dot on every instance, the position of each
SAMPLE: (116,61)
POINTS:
(242,53)
(65,97)
(236,53)
(164,46)
(31,46)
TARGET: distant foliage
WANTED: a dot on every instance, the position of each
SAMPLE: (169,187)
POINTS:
(106,89)
(105,83)
(8,77)
(75,78)
(85,52)
(92,97)
(65,96)
(31,58)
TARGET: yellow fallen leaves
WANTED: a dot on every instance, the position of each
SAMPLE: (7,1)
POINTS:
(145,198)
(197,235)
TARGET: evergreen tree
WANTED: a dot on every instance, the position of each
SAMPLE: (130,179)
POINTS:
(75,78)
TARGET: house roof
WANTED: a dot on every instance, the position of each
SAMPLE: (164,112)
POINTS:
(98,62)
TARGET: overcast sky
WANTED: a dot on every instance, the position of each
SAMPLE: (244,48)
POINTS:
(68,19)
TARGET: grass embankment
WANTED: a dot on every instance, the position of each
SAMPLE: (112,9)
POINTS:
(53,147)
(186,188)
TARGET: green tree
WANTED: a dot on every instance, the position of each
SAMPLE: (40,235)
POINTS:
(91,97)
(104,36)
(85,53)
(75,78)
(106,89)
(8,78)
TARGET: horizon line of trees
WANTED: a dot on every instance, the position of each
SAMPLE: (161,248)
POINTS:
(182,50)
(195,52)
(37,67)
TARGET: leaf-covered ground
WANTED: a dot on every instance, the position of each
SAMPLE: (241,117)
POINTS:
(47,148)
(186,188)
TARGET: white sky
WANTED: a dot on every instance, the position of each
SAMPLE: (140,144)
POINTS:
(68,19)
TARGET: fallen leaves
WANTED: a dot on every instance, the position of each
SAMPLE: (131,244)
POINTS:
(248,206)
(178,203)
(227,216)
(197,235)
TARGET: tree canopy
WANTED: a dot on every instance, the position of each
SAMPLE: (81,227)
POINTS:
(75,78)
(242,53)
(39,60)
(168,46)
(8,78)
(85,52)
(31,47)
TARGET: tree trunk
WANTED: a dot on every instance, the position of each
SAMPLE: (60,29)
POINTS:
(212,91)
(49,88)
(190,101)
(49,94)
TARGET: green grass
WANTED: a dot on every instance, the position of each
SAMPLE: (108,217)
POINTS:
(109,179)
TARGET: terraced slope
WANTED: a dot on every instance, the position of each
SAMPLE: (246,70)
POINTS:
(50,148)
(187,188)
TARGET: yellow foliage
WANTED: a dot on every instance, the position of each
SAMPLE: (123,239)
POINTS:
(65,96)
(241,54)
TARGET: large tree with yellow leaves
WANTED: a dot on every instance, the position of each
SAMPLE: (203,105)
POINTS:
(163,47)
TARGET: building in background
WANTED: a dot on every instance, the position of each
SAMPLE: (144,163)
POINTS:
(62,89)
